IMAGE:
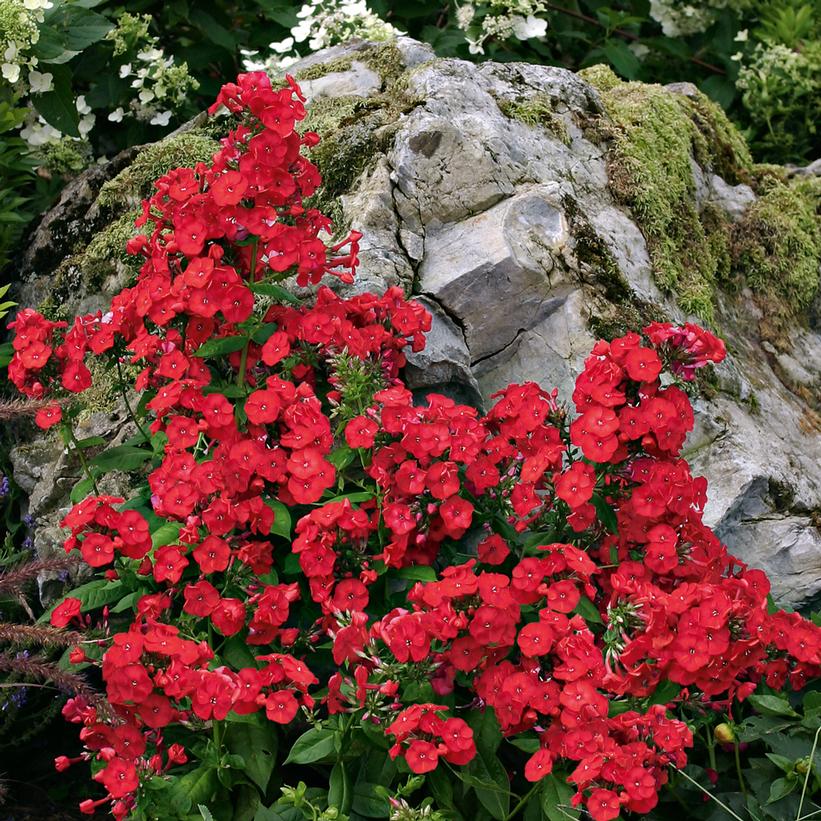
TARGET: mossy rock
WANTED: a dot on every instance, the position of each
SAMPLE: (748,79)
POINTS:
(777,251)
(537,111)
(656,135)
(136,182)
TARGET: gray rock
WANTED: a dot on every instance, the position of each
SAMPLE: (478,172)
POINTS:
(734,200)
(489,218)
(357,81)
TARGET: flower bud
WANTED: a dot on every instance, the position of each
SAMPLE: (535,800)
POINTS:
(724,734)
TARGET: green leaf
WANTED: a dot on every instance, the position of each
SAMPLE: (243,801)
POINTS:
(366,802)
(587,610)
(58,106)
(81,490)
(486,732)
(555,799)
(78,28)
(605,513)
(440,786)
(262,334)
(621,58)
(488,777)
(339,787)
(528,745)
(6,353)
(772,705)
(665,692)
(124,457)
(195,787)
(237,653)
(781,761)
(313,745)
(51,46)
(353,498)
(217,34)
(167,533)
(282,518)
(276,291)
(227,344)
(205,812)
(341,457)
(781,788)
(90,442)
(127,602)
(417,573)
(257,744)
(92,595)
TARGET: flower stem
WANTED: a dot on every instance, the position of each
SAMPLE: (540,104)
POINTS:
(798,816)
(68,431)
(524,801)
(124,392)
(738,770)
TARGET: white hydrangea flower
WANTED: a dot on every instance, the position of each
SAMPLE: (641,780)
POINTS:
(86,124)
(40,82)
(149,55)
(529,27)
(10,72)
(162,118)
(117,115)
(82,106)
(322,23)
(37,5)
(465,15)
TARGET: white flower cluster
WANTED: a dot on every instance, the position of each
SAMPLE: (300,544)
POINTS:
(19,31)
(37,132)
(500,20)
(681,19)
(322,23)
(160,84)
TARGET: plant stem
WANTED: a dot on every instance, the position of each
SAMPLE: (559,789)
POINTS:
(217,731)
(738,771)
(69,431)
(711,748)
(708,794)
(524,801)
(124,392)
(798,816)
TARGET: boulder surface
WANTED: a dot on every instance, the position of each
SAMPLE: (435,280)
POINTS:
(532,210)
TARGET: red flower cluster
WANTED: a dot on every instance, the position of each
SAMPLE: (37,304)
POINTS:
(105,531)
(565,564)
(423,737)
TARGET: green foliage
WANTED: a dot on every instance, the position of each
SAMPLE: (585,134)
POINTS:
(781,94)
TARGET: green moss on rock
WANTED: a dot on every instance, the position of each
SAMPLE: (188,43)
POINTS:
(134,183)
(655,135)
(536,111)
(318,70)
(777,250)
(601,77)
(100,257)
(354,130)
